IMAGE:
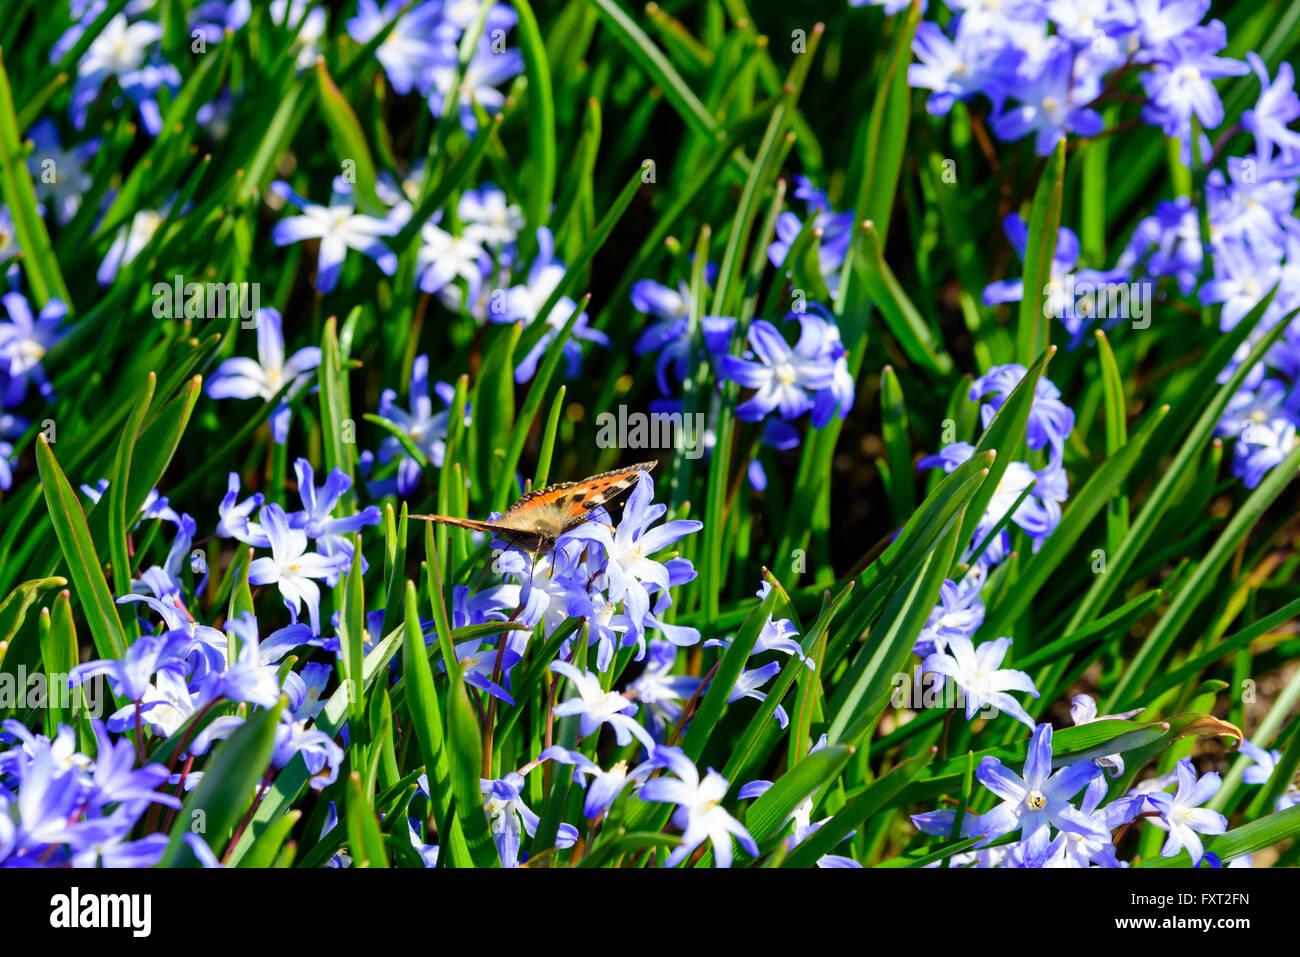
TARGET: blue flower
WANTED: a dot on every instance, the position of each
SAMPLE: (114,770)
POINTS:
(606,626)
(43,806)
(662,694)
(213,18)
(234,515)
(1064,276)
(891,7)
(748,683)
(243,378)
(524,302)
(156,505)
(785,379)
(321,755)
(1050,103)
(550,584)
(952,69)
(1253,207)
(1277,107)
(291,567)
(479,665)
(24,340)
(978,673)
(444,257)
(316,518)
(605,786)
(1181,814)
(339,227)
(428,852)
(1033,804)
(1263,768)
(412,47)
(67,178)
(836,233)
(940,824)
(510,818)
(126,52)
(632,574)
(490,219)
(1167,243)
(1038,513)
(776,635)
(11,426)
(1089,22)
(1241,278)
(1160,21)
(201,648)
(1073,849)
(1050,419)
(319,752)
(959,613)
(167,704)
(700,815)
(670,335)
(131,676)
(1265,763)
(595,706)
(249,676)
(1261,446)
(114,778)
(305,689)
(130,242)
(426,429)
(113,849)
(1181,83)
(836,400)
(486,71)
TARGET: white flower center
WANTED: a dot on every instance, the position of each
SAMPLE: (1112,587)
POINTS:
(611,702)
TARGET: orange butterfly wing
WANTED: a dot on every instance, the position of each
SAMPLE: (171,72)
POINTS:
(543,515)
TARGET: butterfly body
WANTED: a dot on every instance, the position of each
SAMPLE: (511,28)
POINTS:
(536,521)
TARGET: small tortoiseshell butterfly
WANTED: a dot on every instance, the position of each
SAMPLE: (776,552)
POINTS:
(539,518)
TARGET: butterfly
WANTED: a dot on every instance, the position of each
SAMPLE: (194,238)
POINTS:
(537,520)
